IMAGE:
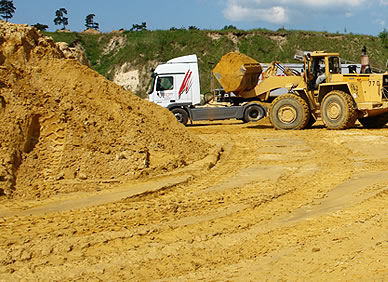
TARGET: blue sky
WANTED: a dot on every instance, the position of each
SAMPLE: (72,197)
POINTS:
(356,16)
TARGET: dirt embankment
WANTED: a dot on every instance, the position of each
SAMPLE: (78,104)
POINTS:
(63,127)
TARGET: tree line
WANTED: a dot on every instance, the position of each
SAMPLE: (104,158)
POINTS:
(7,9)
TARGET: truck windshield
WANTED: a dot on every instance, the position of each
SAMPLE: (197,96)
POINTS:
(153,78)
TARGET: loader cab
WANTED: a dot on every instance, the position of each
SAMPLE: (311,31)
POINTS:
(320,66)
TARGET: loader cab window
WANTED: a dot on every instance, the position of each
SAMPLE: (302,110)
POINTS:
(317,72)
(334,65)
(165,83)
(316,65)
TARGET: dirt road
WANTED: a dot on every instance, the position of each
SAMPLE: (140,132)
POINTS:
(266,205)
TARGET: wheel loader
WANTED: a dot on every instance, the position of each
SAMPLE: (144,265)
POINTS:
(337,99)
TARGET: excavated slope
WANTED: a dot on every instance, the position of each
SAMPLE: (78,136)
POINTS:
(64,128)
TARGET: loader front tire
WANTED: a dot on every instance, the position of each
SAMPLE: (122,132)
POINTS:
(338,110)
(289,112)
(181,115)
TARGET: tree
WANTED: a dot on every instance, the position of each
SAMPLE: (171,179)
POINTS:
(384,37)
(41,27)
(7,9)
(89,22)
(139,27)
(60,18)
(192,27)
(227,27)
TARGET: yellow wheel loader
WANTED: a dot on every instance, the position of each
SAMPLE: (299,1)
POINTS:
(338,99)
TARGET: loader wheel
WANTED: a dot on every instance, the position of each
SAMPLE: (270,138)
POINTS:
(253,113)
(181,115)
(374,122)
(338,110)
(289,112)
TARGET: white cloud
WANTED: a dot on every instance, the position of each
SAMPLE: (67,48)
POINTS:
(282,11)
(276,15)
(380,22)
(384,2)
(326,3)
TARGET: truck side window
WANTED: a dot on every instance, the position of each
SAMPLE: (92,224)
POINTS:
(165,83)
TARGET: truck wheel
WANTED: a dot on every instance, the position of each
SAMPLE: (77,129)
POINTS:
(338,110)
(253,113)
(181,115)
(374,122)
(289,112)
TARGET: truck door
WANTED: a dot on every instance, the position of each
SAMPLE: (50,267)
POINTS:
(164,90)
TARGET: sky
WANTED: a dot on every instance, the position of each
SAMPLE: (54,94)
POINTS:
(342,16)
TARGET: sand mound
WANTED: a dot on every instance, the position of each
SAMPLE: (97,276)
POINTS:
(91,31)
(63,127)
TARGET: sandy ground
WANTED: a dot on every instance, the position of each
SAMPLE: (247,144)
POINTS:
(265,205)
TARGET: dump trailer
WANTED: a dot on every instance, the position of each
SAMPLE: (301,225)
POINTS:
(176,86)
(337,99)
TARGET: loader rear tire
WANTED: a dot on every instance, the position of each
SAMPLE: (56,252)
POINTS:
(338,110)
(253,113)
(181,115)
(374,122)
(289,112)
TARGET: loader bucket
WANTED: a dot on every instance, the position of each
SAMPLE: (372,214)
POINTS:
(237,72)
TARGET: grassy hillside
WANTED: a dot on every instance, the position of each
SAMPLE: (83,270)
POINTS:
(144,49)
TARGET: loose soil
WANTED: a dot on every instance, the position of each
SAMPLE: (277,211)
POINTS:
(271,205)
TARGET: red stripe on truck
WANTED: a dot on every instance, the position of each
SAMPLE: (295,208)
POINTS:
(186,83)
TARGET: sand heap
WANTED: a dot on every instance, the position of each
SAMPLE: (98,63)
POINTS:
(63,127)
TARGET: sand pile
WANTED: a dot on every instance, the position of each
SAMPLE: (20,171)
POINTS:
(63,127)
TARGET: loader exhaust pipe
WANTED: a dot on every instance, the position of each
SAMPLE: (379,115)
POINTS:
(365,65)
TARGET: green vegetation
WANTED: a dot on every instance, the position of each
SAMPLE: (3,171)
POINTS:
(144,49)
(384,37)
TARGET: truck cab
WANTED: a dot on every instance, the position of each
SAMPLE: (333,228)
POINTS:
(176,83)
